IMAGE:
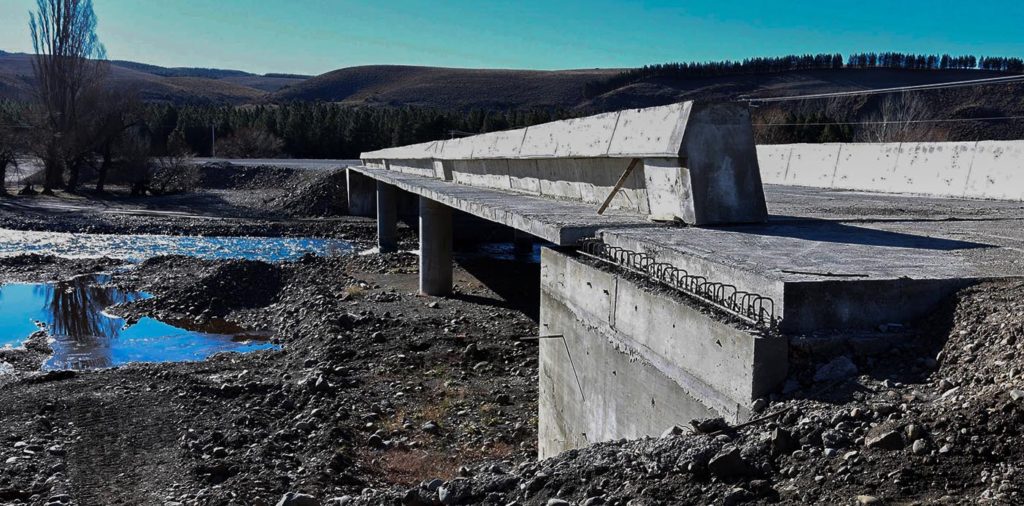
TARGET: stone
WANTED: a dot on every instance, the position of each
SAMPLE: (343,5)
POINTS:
(914,432)
(890,440)
(839,368)
(430,427)
(557,502)
(674,430)
(1016,394)
(867,499)
(782,442)
(920,447)
(297,499)
(455,492)
(759,405)
(728,463)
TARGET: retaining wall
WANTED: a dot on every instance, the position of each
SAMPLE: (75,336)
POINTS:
(645,361)
(983,169)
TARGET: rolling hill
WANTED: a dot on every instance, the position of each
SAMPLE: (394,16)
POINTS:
(463,89)
(157,84)
(446,88)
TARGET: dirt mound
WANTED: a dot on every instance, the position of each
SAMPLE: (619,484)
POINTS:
(226,176)
(321,195)
(217,290)
(49,267)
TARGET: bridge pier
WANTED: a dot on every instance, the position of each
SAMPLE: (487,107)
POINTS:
(387,217)
(435,248)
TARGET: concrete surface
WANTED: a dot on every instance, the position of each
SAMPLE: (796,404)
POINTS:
(361,194)
(702,158)
(387,218)
(983,169)
(645,361)
(874,258)
(833,259)
(558,221)
(435,248)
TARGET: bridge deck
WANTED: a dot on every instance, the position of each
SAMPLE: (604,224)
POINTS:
(558,221)
(822,253)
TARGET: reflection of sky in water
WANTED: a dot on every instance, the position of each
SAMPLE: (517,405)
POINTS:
(85,337)
(140,247)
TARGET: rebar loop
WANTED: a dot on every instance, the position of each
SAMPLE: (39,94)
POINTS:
(750,307)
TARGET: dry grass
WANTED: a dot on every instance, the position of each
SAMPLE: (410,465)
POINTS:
(409,467)
(353,292)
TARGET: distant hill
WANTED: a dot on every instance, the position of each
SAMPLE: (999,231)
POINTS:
(446,88)
(158,84)
(455,89)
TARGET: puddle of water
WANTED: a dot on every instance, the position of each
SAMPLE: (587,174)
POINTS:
(136,248)
(85,337)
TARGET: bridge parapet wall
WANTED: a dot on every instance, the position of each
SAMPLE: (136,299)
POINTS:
(694,162)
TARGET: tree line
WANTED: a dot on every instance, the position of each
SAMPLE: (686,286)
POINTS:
(321,130)
(788,63)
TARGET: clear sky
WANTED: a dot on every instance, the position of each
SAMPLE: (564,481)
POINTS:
(315,36)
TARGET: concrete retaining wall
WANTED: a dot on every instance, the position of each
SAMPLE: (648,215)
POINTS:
(645,361)
(984,169)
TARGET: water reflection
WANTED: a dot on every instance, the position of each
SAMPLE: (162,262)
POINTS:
(83,336)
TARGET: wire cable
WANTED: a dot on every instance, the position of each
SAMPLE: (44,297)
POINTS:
(946,120)
(878,91)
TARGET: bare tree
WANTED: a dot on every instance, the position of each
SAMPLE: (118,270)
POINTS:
(770,126)
(68,64)
(900,118)
(12,137)
(250,142)
(117,113)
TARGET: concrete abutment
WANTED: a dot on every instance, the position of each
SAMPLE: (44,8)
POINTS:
(624,362)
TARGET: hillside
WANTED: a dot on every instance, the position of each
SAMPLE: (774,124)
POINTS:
(453,89)
(446,88)
(155,83)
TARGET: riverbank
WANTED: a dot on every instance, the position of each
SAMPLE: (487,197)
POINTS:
(374,387)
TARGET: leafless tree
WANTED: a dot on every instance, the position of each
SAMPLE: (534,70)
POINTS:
(900,118)
(117,113)
(12,142)
(68,63)
(769,126)
(250,142)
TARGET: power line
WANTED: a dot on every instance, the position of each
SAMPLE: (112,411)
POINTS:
(878,91)
(946,120)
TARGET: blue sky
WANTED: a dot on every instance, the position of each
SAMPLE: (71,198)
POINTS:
(314,36)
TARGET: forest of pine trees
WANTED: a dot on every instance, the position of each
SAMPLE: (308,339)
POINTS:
(327,130)
(802,62)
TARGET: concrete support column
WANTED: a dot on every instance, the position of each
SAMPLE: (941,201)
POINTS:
(361,194)
(387,217)
(435,248)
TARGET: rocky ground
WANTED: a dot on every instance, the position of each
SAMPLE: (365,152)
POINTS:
(374,388)
(230,201)
(380,396)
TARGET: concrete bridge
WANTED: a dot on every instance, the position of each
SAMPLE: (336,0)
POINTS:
(686,301)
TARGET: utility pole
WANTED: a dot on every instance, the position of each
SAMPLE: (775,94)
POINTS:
(213,142)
